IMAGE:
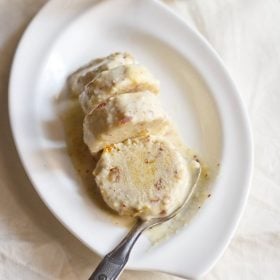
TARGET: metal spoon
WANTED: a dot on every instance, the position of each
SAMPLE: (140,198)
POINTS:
(113,263)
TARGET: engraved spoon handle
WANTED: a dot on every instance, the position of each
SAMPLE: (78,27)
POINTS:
(113,263)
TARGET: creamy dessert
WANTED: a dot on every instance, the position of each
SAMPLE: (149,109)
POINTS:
(142,169)
(143,177)
(122,79)
(87,73)
(123,117)
(118,193)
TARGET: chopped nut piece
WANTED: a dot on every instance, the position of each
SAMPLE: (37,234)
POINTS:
(101,105)
(158,184)
(125,120)
(163,213)
(114,174)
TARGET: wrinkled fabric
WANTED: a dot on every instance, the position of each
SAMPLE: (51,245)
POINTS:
(246,34)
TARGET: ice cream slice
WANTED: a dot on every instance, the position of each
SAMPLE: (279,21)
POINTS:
(145,177)
(87,73)
(122,117)
(119,80)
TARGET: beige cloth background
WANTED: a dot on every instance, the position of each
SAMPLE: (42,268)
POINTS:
(246,33)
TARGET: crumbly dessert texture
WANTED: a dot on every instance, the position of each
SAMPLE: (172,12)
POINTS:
(122,79)
(143,177)
(140,173)
(80,78)
(123,117)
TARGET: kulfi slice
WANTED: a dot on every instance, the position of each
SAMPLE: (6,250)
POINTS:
(87,73)
(119,80)
(122,117)
(143,177)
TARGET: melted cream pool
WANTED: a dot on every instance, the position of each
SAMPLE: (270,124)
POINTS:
(72,118)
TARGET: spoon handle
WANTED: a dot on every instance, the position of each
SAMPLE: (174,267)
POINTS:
(113,263)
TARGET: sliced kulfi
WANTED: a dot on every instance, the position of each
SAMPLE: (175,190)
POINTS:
(122,117)
(119,80)
(87,73)
(144,177)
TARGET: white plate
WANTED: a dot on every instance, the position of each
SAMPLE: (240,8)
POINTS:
(196,92)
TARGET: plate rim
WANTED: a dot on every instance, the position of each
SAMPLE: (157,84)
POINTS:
(229,80)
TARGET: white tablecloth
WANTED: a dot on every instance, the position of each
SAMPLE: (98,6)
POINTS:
(246,34)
